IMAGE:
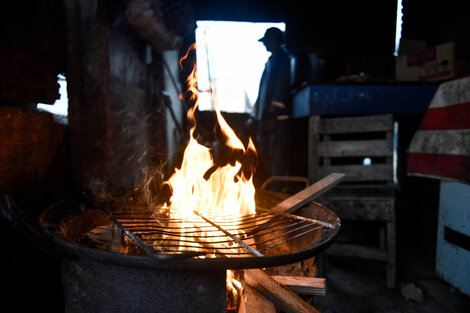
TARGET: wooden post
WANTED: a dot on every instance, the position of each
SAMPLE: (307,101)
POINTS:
(313,138)
(391,255)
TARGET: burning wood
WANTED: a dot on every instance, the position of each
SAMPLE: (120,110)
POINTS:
(253,302)
(233,292)
(303,285)
(106,237)
(277,293)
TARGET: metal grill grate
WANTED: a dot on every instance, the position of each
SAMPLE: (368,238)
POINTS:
(241,236)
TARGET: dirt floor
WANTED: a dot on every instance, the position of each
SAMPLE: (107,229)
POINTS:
(358,286)
(355,286)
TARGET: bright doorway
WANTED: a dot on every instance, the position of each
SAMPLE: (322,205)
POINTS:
(231,60)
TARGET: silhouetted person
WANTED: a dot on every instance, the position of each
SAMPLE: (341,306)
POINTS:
(273,106)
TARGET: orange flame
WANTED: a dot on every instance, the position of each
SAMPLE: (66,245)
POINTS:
(227,191)
(234,290)
(191,48)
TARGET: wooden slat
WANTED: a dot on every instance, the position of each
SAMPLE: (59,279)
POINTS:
(360,124)
(308,194)
(361,208)
(391,255)
(314,286)
(313,139)
(357,251)
(373,172)
(286,299)
(355,148)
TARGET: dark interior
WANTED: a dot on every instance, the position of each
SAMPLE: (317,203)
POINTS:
(112,85)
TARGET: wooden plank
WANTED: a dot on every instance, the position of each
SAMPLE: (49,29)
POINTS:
(314,286)
(286,299)
(357,251)
(253,302)
(305,268)
(359,124)
(305,196)
(361,208)
(391,255)
(373,172)
(106,237)
(313,139)
(355,148)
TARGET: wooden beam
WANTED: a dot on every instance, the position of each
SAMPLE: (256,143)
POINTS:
(357,251)
(355,148)
(253,302)
(368,208)
(359,172)
(308,194)
(356,124)
(286,299)
(313,140)
(314,286)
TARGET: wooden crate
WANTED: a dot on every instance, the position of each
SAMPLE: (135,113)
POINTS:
(342,145)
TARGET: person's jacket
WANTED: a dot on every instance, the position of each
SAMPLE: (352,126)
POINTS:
(274,97)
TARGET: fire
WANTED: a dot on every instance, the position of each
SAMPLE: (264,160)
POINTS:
(234,290)
(227,191)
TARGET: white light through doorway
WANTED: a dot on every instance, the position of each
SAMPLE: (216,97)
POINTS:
(398,26)
(60,106)
(231,59)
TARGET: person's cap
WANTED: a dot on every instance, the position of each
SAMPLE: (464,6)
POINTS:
(271,34)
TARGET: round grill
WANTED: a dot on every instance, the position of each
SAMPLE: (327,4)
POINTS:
(154,239)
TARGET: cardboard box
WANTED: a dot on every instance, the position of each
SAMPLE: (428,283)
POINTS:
(441,62)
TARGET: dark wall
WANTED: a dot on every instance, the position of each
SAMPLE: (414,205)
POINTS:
(313,24)
(436,22)
(348,36)
(244,10)
(31,50)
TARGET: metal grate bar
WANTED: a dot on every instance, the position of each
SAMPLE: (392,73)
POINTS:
(249,235)
(235,238)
